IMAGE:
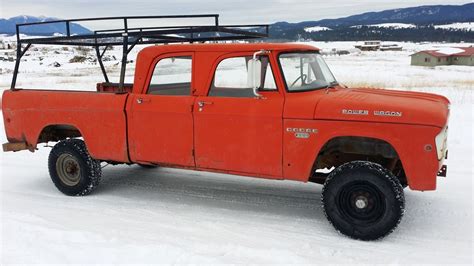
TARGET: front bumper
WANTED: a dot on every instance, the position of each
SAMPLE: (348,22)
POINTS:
(443,171)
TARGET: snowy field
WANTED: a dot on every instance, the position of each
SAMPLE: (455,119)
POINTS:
(176,216)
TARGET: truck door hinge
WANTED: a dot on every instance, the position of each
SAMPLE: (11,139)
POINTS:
(192,152)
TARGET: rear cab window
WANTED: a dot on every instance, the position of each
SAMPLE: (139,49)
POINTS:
(172,76)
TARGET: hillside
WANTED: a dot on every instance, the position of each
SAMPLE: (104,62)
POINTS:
(451,23)
(423,23)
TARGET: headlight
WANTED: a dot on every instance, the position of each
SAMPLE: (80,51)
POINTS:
(441,141)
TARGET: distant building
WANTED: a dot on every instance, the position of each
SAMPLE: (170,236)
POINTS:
(390,47)
(377,46)
(444,56)
(369,46)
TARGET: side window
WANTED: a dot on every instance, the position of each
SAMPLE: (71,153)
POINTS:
(230,78)
(172,76)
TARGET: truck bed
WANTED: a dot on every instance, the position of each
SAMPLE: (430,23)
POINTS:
(101,118)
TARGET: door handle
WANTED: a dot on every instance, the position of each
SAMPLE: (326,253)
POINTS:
(202,103)
(141,100)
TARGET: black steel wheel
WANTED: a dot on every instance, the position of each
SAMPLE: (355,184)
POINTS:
(68,169)
(73,171)
(363,200)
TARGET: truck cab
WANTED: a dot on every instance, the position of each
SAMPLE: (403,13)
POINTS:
(210,117)
(298,121)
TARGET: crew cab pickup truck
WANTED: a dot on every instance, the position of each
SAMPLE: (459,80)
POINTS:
(264,110)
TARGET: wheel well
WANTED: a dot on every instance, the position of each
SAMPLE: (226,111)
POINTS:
(58,132)
(340,150)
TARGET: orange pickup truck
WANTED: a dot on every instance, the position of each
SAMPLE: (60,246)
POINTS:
(261,109)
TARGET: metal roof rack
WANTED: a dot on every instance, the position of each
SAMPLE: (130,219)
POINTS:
(129,37)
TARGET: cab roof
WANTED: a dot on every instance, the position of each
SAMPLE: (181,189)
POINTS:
(228,47)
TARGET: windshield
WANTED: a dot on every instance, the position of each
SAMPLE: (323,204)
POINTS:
(305,71)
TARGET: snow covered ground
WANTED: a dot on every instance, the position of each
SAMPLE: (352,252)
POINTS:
(176,216)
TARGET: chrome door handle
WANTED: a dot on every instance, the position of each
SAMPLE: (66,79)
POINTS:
(201,103)
(141,100)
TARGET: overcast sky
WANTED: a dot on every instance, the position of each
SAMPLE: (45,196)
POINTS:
(243,11)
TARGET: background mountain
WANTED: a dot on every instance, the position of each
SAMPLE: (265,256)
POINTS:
(421,25)
(437,14)
(7,26)
(404,24)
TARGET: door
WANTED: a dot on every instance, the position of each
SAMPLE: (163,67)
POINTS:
(234,130)
(160,121)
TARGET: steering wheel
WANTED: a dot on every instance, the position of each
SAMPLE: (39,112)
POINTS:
(303,80)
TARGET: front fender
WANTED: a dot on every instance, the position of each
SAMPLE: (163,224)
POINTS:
(409,141)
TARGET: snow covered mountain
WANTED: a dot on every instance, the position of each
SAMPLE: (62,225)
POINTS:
(421,15)
(454,22)
(423,23)
(7,26)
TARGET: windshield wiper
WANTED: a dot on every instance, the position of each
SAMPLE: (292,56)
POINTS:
(332,84)
(308,87)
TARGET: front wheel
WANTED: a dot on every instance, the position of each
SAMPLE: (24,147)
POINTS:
(363,200)
(73,171)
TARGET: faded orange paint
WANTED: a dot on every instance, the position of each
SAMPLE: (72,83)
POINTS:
(246,136)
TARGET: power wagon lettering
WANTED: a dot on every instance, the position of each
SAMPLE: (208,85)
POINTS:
(387,113)
(355,112)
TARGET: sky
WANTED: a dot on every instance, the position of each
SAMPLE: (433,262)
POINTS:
(231,12)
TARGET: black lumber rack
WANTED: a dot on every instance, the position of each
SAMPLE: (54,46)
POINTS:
(128,37)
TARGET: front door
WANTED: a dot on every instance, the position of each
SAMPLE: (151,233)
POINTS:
(160,121)
(234,130)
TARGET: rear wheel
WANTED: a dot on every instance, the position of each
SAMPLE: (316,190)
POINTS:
(73,171)
(363,200)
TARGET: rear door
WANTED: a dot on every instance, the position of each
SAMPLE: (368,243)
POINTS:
(234,130)
(160,119)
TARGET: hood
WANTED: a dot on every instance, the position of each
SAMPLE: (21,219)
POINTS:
(379,105)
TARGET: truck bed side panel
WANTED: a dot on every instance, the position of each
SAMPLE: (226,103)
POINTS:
(99,117)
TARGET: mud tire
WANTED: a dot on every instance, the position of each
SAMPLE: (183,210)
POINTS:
(363,200)
(73,171)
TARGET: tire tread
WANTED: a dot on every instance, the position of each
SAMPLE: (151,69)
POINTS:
(380,171)
(93,167)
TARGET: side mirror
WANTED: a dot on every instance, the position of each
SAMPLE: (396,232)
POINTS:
(254,75)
